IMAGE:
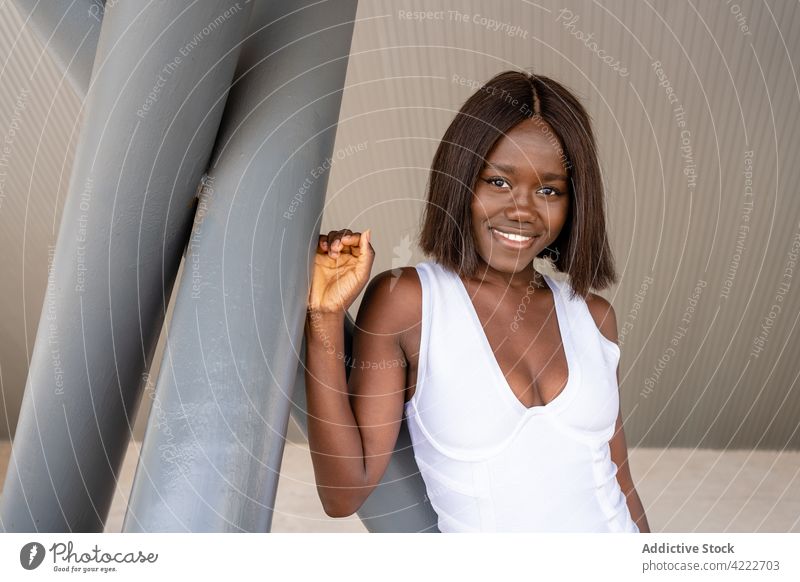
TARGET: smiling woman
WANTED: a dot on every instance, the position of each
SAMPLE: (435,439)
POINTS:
(510,195)
(510,385)
(519,134)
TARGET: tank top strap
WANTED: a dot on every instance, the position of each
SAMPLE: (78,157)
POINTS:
(436,305)
(427,280)
(574,310)
(583,329)
(437,287)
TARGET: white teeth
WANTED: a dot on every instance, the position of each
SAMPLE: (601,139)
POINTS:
(514,237)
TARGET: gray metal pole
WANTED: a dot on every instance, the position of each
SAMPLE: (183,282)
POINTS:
(214,441)
(69,29)
(152,113)
(399,503)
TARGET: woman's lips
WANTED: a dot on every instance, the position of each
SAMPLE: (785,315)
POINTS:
(513,244)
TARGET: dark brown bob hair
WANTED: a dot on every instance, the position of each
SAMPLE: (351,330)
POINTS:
(581,249)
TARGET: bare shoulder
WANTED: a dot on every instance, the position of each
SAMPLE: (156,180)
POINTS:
(603,314)
(392,302)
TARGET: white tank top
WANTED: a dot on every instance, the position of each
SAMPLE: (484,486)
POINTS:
(489,463)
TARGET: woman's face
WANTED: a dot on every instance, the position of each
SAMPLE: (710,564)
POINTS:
(521,197)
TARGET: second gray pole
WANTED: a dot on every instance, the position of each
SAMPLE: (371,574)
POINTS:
(212,451)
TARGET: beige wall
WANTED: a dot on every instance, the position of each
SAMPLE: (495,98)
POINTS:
(706,360)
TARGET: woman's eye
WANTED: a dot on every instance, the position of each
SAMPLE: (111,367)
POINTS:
(497,181)
(552,191)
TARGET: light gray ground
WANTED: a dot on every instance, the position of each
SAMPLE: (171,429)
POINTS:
(683,490)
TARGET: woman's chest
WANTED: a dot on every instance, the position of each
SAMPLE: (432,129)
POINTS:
(517,338)
(466,404)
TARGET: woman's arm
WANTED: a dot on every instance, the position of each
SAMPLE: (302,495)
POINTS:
(352,430)
(619,455)
(606,320)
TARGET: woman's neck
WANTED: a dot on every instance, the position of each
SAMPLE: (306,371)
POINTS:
(520,280)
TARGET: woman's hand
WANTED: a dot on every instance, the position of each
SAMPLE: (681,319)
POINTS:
(342,266)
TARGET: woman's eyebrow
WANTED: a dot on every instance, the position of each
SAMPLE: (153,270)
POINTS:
(508,169)
(511,170)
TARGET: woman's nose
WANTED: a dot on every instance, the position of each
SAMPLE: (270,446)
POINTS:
(522,207)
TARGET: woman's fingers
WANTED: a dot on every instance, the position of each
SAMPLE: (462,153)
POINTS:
(344,245)
(339,242)
(344,241)
(362,247)
(355,245)
(334,245)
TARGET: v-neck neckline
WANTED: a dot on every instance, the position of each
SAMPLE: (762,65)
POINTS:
(487,347)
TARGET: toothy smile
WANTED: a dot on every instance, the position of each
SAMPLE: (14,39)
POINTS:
(513,241)
(513,236)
